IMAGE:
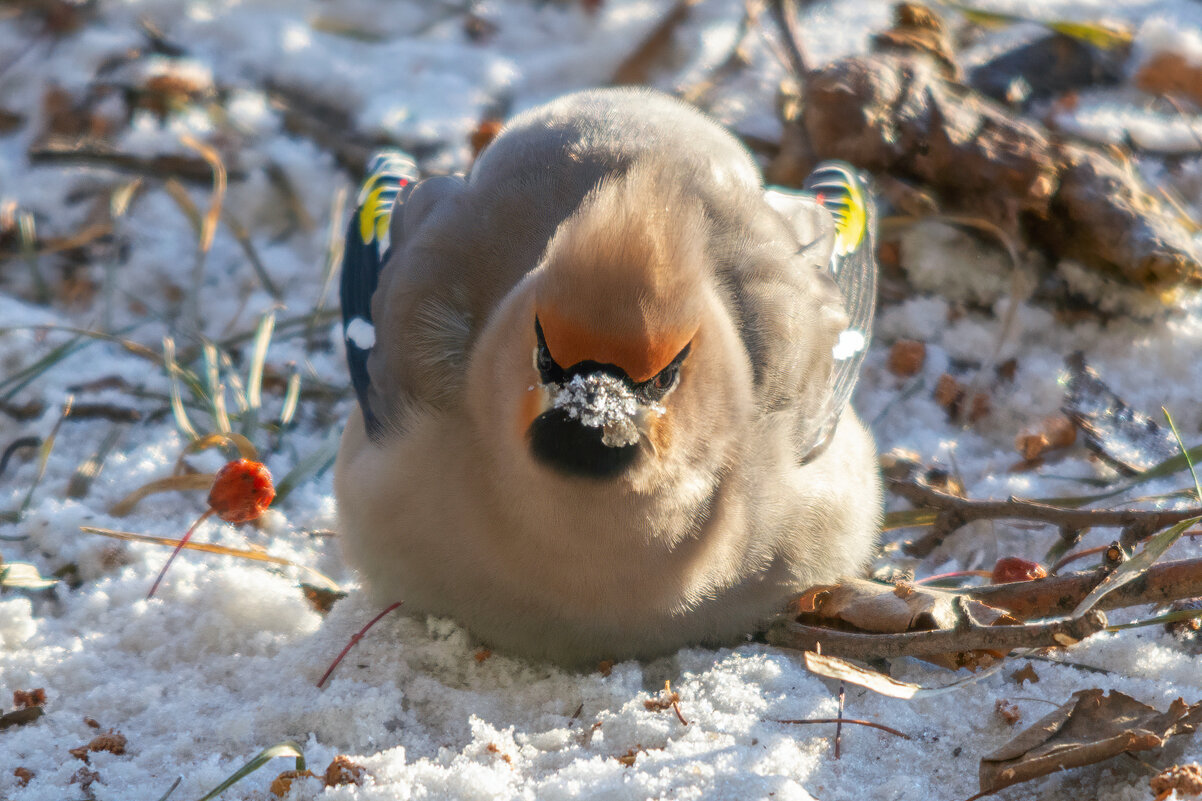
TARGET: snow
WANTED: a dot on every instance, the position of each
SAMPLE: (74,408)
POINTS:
(224,661)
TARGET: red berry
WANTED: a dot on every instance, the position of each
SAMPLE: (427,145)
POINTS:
(1012,568)
(242,491)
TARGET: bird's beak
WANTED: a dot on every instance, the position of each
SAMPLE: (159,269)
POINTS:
(599,400)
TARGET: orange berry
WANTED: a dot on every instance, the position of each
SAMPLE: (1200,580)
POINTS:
(242,491)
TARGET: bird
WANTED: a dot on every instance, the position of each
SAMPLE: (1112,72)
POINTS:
(603,384)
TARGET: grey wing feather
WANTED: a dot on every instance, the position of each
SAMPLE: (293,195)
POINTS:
(844,193)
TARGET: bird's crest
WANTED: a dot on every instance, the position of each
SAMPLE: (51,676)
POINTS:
(622,276)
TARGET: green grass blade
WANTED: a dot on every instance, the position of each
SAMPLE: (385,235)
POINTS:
(177,400)
(909,518)
(236,386)
(171,789)
(254,376)
(1168,617)
(1134,567)
(1184,453)
(44,458)
(258,358)
(288,748)
(17,382)
(27,233)
(334,247)
(89,469)
(216,390)
(1168,467)
(291,399)
(313,464)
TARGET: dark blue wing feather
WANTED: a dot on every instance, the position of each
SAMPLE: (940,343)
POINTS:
(367,249)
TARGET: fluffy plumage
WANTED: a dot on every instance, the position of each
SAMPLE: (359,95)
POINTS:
(603,391)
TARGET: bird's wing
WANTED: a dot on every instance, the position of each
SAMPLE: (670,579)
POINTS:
(844,192)
(390,174)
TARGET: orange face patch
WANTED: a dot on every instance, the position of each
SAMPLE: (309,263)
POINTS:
(640,357)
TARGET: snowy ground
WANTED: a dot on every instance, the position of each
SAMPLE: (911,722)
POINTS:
(224,661)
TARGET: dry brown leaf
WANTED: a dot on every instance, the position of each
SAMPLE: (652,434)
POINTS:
(1007,711)
(343,771)
(865,606)
(636,68)
(24,699)
(895,115)
(485,132)
(1092,727)
(185,483)
(19,717)
(1170,74)
(113,742)
(870,606)
(907,357)
(1026,674)
(1184,779)
(1054,433)
(919,31)
(281,784)
(23,775)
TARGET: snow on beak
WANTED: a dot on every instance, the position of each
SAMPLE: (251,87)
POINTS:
(600,400)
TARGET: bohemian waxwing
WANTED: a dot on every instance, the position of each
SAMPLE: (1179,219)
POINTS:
(602,384)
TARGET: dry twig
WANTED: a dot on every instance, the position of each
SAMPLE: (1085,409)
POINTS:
(1059,595)
(880,726)
(853,645)
(954,512)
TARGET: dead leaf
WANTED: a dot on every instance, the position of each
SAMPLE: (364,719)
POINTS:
(1007,711)
(1054,433)
(907,357)
(1170,74)
(870,606)
(485,132)
(1092,727)
(281,784)
(19,717)
(919,31)
(24,699)
(1124,437)
(834,668)
(322,599)
(866,606)
(668,699)
(894,115)
(1025,674)
(1184,779)
(636,68)
(185,483)
(343,771)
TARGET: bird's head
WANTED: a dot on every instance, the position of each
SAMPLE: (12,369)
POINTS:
(620,332)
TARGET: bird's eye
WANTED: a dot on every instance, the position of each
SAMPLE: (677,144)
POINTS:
(659,385)
(666,379)
(544,362)
(548,371)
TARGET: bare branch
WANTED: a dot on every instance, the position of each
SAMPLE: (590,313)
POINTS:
(955,512)
(853,645)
